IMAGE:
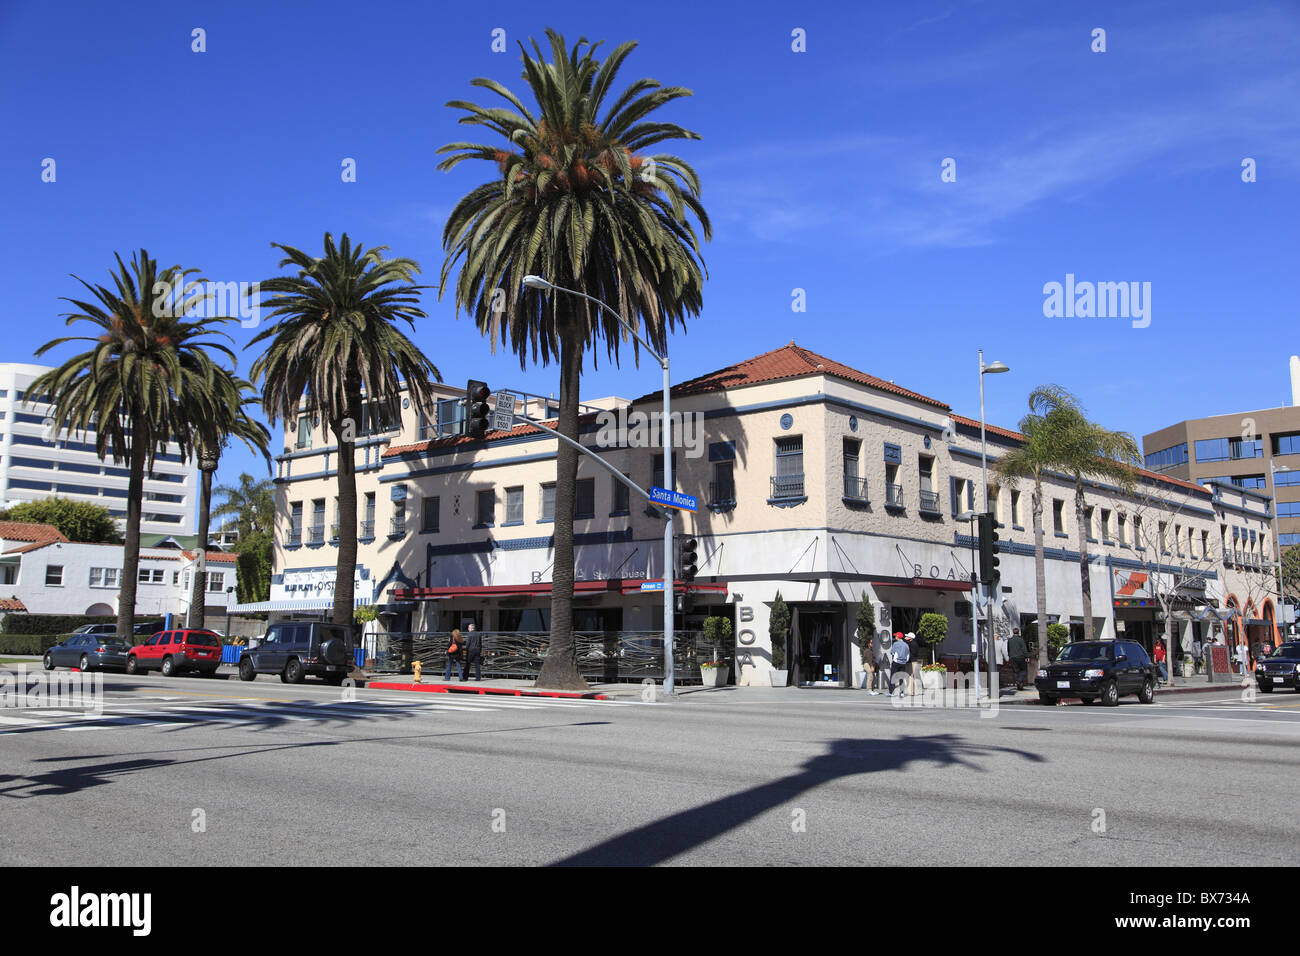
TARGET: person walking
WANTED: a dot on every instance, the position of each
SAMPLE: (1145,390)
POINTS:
(1197,653)
(454,651)
(869,658)
(1160,661)
(473,654)
(1018,652)
(899,655)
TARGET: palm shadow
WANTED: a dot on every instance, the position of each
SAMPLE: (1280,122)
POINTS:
(678,833)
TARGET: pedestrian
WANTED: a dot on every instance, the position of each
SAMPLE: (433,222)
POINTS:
(1160,661)
(1239,653)
(473,654)
(899,655)
(869,658)
(1018,651)
(1198,652)
(914,661)
(453,652)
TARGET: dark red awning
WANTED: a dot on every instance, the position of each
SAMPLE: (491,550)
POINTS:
(923,584)
(543,588)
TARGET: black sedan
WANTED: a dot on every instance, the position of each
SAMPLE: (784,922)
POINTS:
(88,652)
(1098,671)
(1279,669)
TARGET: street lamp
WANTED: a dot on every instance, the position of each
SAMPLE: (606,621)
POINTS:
(537,282)
(990,369)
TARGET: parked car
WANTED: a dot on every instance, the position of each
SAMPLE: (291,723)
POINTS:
(87,651)
(1098,671)
(174,652)
(1279,669)
(294,649)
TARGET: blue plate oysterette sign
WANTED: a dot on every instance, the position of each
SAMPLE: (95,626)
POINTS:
(673,499)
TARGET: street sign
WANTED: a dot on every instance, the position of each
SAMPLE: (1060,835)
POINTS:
(673,499)
(503,416)
(652,585)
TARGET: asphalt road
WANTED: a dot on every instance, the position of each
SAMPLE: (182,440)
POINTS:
(212,772)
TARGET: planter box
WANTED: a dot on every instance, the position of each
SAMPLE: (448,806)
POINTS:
(713,676)
(933,680)
(779,678)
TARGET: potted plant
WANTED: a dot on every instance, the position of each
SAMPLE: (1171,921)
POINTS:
(866,631)
(717,631)
(931,631)
(1058,635)
(777,627)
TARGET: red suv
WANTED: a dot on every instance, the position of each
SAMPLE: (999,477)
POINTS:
(175,651)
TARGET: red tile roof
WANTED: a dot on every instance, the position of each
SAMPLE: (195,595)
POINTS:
(788,362)
(29,531)
(1017,436)
(12,604)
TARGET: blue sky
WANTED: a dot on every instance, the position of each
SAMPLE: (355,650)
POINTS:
(820,170)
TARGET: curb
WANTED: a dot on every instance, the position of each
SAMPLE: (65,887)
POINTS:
(465,689)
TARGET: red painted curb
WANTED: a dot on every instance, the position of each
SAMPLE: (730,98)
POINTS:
(463,689)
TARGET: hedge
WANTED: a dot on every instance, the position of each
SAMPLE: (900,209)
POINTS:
(27,643)
(17,622)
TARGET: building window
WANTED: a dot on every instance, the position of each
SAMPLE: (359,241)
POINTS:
(787,482)
(176,578)
(295,524)
(111,576)
(928,499)
(430,514)
(548,502)
(1205,544)
(1121,531)
(855,486)
(1288,509)
(1058,516)
(1167,458)
(397,523)
(216,581)
(619,497)
(368,519)
(1288,444)
(657,476)
(1105,524)
(150,576)
(584,498)
(1087,523)
(485,507)
(722,490)
(54,575)
(304,432)
(318,521)
(96,577)
(1229,449)
(1015,508)
(1178,539)
(893,487)
(1161,534)
(514,506)
(962,495)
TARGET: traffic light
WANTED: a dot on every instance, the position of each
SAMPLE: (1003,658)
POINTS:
(989,561)
(687,559)
(476,409)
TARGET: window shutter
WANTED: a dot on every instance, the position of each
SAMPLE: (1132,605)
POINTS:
(953,494)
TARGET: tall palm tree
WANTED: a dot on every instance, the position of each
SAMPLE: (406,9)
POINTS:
(574,201)
(336,345)
(1085,451)
(213,433)
(250,503)
(146,378)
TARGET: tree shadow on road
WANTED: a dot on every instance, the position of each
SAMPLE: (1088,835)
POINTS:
(666,838)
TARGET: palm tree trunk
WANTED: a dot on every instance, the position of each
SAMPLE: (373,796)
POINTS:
(1040,571)
(560,668)
(1085,568)
(198,592)
(344,579)
(131,541)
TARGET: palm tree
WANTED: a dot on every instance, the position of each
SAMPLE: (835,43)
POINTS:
(574,202)
(232,421)
(250,503)
(1085,451)
(145,379)
(337,346)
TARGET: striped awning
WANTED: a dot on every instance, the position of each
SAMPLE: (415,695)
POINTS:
(301,604)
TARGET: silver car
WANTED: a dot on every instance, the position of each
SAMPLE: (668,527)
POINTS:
(89,652)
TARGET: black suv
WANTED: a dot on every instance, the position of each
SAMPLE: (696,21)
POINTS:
(294,649)
(1279,669)
(1098,671)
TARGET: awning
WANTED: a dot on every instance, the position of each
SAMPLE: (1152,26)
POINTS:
(543,589)
(301,604)
(923,584)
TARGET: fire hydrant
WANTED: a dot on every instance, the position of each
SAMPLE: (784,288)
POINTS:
(417,667)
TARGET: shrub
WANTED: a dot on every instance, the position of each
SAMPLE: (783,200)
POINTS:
(931,631)
(18,622)
(866,628)
(778,626)
(717,631)
(27,643)
(1058,635)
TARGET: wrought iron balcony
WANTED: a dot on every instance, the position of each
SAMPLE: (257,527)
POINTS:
(929,502)
(855,489)
(295,537)
(396,527)
(722,494)
(334,531)
(317,534)
(894,496)
(368,529)
(787,486)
